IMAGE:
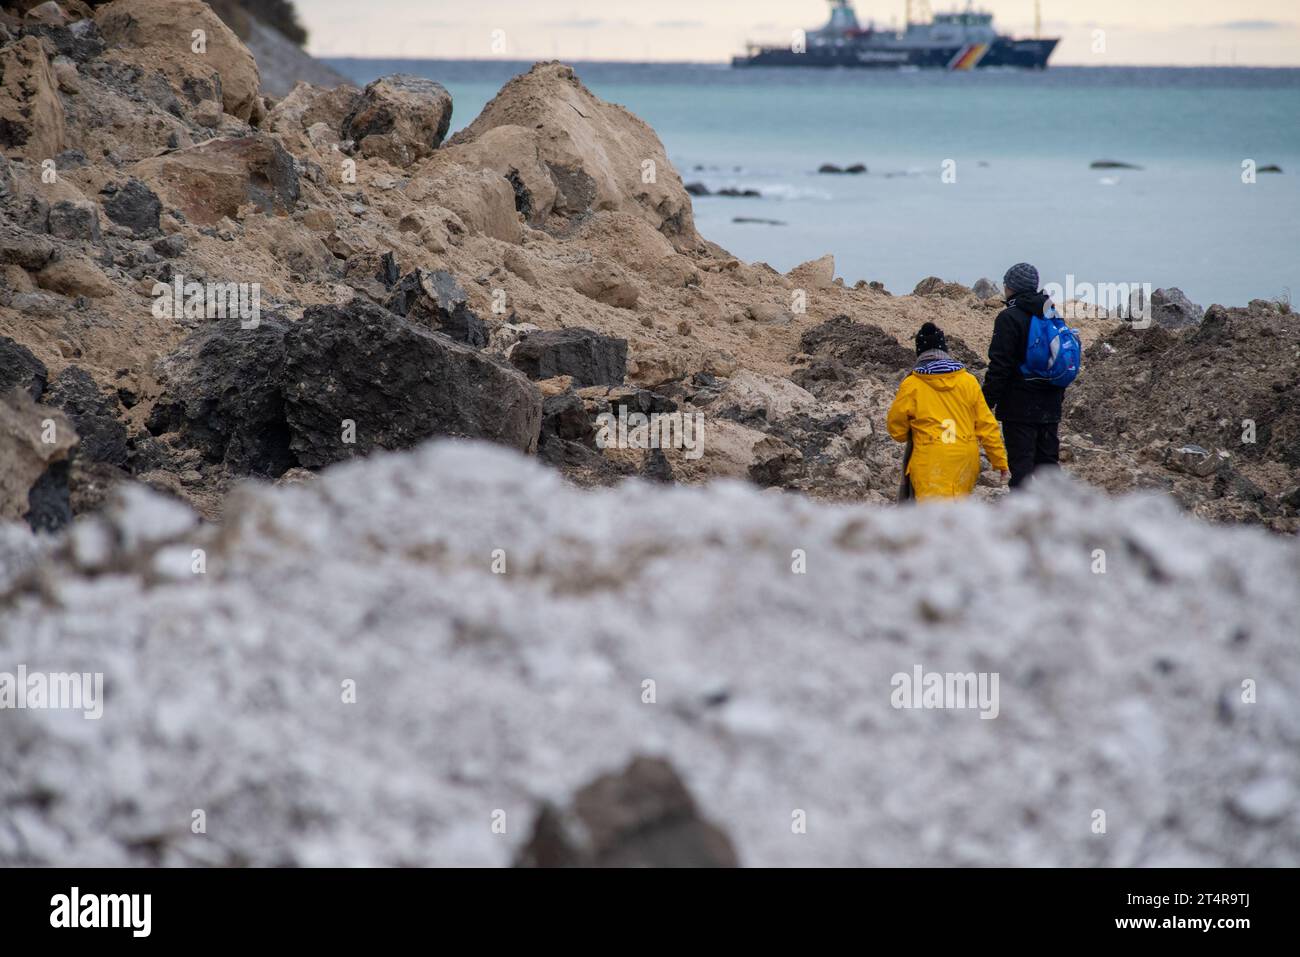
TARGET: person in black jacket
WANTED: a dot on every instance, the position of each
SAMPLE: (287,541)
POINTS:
(1029,410)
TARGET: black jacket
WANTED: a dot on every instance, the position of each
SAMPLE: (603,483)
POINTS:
(1011,398)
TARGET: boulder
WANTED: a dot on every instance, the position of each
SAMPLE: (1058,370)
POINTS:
(74,220)
(603,281)
(934,286)
(35,443)
(158,35)
(222,394)
(986,289)
(642,816)
(1192,460)
(93,414)
(434,298)
(589,357)
(20,369)
(568,153)
(814,274)
(134,205)
(398,383)
(856,344)
(214,179)
(72,276)
(399,118)
(1171,308)
(31,113)
(768,398)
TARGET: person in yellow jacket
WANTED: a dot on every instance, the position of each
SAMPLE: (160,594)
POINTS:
(941,408)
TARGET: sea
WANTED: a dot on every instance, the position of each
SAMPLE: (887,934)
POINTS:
(968,173)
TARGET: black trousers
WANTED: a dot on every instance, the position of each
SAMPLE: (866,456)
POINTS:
(1030,446)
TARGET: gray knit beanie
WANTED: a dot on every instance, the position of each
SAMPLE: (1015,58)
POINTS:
(1021,277)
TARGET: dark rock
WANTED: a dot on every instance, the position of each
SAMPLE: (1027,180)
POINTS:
(400,118)
(69,220)
(49,500)
(1173,310)
(734,192)
(389,272)
(399,384)
(222,394)
(697,189)
(80,41)
(132,205)
(93,414)
(565,417)
(640,817)
(657,468)
(591,358)
(856,169)
(435,299)
(170,246)
(856,344)
(19,368)
(1269,168)
(1111,164)
(830,168)
(23,249)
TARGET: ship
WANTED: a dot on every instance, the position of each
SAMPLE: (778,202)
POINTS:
(965,40)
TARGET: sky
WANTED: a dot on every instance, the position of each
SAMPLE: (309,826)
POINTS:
(1134,32)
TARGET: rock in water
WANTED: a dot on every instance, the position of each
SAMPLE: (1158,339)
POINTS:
(591,358)
(398,384)
(434,298)
(400,118)
(640,817)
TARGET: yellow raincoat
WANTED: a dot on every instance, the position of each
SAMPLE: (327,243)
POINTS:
(949,421)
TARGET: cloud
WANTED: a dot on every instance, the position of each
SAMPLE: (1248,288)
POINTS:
(679,24)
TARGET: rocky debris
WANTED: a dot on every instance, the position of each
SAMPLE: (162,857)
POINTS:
(1224,386)
(223,393)
(94,414)
(341,382)
(158,34)
(589,357)
(573,154)
(75,220)
(20,369)
(35,442)
(435,299)
(934,286)
(214,180)
(856,344)
(641,817)
(1171,308)
(31,113)
(347,575)
(439,387)
(134,205)
(399,118)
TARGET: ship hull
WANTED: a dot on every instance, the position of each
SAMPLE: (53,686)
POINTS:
(1002,52)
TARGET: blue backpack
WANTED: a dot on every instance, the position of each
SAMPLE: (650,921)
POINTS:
(1054,352)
